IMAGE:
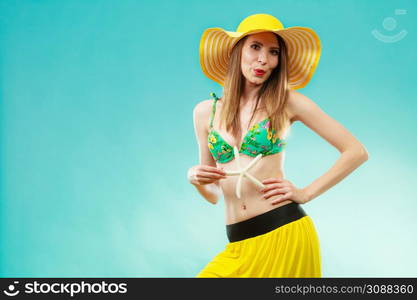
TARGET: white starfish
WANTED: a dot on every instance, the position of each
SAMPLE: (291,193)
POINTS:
(244,172)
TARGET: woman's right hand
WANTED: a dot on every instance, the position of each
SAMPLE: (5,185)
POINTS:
(203,174)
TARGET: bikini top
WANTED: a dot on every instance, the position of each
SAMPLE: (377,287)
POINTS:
(259,139)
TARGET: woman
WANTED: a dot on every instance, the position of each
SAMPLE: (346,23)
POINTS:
(260,65)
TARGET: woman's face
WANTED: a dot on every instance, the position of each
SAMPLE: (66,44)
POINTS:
(260,54)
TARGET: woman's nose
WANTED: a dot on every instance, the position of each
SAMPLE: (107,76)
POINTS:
(262,58)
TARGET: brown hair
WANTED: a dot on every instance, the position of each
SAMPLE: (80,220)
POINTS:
(273,94)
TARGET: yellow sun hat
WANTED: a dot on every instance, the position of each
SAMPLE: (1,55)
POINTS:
(303,48)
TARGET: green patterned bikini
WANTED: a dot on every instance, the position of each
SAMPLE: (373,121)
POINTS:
(259,139)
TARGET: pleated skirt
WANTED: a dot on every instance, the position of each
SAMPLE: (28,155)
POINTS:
(281,243)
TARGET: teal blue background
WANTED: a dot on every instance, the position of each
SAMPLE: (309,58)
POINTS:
(97,136)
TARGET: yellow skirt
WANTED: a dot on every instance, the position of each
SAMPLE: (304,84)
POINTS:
(290,250)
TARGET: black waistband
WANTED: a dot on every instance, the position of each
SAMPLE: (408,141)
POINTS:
(265,222)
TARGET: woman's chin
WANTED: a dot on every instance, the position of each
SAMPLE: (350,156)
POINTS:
(256,81)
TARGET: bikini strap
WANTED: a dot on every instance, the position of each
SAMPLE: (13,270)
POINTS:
(213,111)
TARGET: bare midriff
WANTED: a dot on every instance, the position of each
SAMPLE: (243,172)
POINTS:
(251,202)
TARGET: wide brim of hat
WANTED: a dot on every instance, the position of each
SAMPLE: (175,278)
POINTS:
(303,47)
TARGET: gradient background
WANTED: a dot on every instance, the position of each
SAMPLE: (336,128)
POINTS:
(97,136)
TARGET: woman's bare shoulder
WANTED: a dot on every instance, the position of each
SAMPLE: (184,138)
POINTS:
(202,109)
(296,103)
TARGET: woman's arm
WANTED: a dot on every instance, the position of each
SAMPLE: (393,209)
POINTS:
(211,192)
(201,113)
(353,153)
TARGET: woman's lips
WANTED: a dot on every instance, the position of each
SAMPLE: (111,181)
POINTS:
(259,72)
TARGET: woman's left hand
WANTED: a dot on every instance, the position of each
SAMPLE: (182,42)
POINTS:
(284,188)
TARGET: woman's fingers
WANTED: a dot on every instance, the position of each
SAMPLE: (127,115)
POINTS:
(284,197)
(276,192)
(204,180)
(213,170)
(276,187)
(271,187)
(209,175)
(272,180)
(204,174)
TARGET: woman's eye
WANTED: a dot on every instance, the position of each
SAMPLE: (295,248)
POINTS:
(254,45)
(275,52)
